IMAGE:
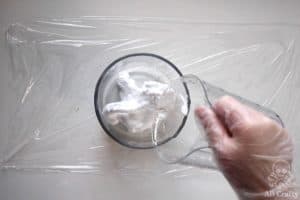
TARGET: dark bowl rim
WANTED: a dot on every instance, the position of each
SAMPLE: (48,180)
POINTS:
(99,115)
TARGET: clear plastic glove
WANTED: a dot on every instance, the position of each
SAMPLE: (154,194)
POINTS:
(254,153)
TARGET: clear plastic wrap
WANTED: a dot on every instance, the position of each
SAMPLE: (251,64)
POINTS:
(55,65)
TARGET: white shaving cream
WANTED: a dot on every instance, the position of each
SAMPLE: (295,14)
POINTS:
(141,105)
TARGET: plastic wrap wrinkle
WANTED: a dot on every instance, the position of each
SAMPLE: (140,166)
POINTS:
(56,64)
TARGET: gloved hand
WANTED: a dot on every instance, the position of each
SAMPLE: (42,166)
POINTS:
(254,153)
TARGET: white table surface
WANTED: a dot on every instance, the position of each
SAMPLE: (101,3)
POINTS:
(17,185)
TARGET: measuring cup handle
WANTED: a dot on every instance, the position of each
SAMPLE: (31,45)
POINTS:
(213,93)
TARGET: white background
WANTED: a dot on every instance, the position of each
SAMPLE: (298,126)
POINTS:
(16,185)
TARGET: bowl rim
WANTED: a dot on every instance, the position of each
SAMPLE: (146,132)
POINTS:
(96,93)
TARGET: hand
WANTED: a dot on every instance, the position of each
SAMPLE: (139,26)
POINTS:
(254,153)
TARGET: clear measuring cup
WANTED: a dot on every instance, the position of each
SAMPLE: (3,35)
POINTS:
(176,139)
